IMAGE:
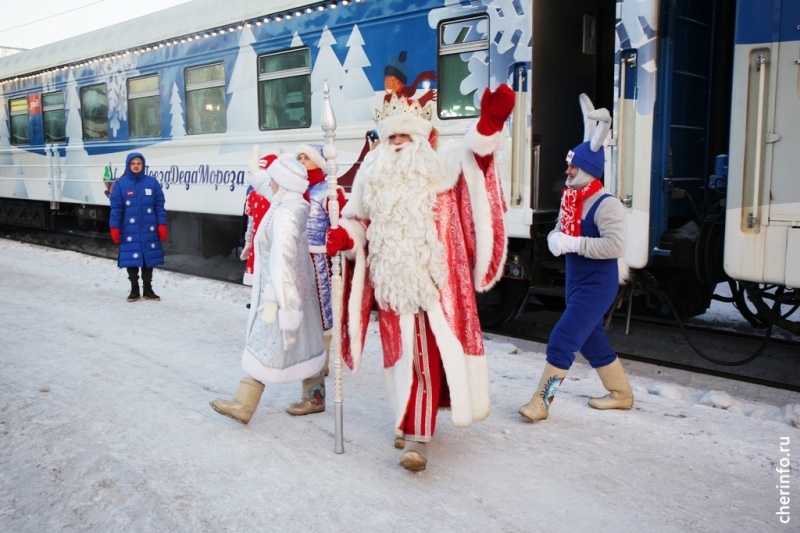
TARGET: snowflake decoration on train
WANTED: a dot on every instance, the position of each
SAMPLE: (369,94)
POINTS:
(511,40)
(115,72)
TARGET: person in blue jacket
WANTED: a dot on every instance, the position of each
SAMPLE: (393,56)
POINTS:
(138,223)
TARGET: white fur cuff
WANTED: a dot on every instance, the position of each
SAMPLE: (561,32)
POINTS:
(405,124)
(289,320)
(484,144)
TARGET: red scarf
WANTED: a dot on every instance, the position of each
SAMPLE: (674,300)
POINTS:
(572,207)
(314,176)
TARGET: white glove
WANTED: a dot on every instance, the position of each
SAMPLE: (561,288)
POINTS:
(554,244)
(245,252)
(561,243)
(568,243)
(269,311)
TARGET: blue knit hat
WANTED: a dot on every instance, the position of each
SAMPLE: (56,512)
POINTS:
(397,68)
(585,159)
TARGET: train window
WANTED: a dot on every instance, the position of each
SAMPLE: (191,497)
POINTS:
(463,66)
(284,90)
(205,99)
(53,117)
(94,110)
(20,123)
(144,107)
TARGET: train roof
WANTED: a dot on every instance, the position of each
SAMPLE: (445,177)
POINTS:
(183,19)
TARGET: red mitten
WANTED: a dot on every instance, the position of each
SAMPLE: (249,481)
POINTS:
(338,240)
(162,232)
(340,197)
(115,235)
(496,107)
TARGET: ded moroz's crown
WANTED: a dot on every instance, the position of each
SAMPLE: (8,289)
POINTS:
(403,115)
(397,106)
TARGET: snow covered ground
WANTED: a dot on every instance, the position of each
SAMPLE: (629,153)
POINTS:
(105,426)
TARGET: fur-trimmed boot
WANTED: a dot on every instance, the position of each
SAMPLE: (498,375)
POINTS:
(312,399)
(244,402)
(327,338)
(415,456)
(539,406)
(133,276)
(147,287)
(620,394)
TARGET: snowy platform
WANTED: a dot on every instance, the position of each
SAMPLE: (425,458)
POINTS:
(105,426)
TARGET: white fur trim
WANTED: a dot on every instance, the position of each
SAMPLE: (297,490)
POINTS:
(407,124)
(289,320)
(289,174)
(484,144)
(312,154)
(478,376)
(482,221)
(455,366)
(317,249)
(259,372)
(358,255)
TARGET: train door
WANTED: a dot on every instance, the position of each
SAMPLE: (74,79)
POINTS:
(762,241)
(631,137)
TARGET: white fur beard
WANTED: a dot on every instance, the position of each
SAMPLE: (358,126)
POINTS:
(405,256)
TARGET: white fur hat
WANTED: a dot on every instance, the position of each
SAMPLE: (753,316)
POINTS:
(314,153)
(289,173)
(406,124)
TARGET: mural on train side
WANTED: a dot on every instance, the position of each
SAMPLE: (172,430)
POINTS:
(363,65)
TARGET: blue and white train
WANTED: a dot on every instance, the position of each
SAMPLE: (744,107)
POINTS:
(194,87)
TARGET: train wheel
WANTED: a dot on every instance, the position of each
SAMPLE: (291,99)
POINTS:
(502,302)
(774,305)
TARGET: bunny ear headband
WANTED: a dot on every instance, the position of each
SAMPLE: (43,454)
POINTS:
(597,123)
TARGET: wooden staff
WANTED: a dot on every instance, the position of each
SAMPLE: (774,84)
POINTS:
(328,124)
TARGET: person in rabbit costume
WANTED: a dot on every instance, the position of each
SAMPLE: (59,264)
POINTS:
(284,332)
(590,232)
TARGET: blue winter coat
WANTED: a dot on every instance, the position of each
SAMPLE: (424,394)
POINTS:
(137,209)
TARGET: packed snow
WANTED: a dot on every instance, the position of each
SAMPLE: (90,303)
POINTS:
(105,426)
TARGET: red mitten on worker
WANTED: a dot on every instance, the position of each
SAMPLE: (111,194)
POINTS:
(338,240)
(496,107)
(162,232)
(115,235)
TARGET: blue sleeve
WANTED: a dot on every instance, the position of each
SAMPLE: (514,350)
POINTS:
(161,213)
(117,207)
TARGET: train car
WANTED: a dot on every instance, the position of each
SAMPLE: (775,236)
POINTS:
(704,151)
(195,87)
(700,153)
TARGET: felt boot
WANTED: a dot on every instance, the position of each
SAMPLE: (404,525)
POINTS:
(244,402)
(415,456)
(620,394)
(539,406)
(147,287)
(327,338)
(312,399)
(133,276)
(400,441)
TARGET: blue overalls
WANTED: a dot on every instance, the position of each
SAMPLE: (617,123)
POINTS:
(591,289)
